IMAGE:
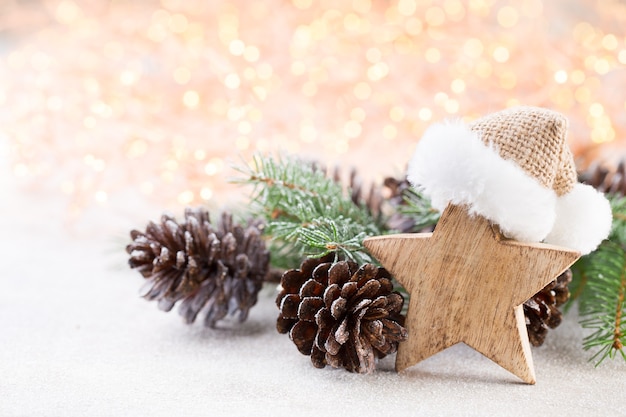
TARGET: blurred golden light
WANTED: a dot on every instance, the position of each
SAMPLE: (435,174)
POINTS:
(186,197)
(232,81)
(577,77)
(610,42)
(507,16)
(308,133)
(596,109)
(373,55)
(206,193)
(357,114)
(407,7)
(413,26)
(362,91)
(473,47)
(390,132)
(457,86)
(302,4)
(163,92)
(501,54)
(432,55)
(425,114)
(182,75)
(396,113)
(101,196)
(191,99)
(67,12)
(435,16)
(352,129)
(560,76)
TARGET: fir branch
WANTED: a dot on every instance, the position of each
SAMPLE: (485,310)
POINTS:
(341,236)
(307,212)
(418,208)
(602,301)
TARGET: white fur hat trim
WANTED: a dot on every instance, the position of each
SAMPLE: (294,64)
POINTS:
(451,164)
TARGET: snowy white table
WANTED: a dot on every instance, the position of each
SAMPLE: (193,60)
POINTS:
(76,339)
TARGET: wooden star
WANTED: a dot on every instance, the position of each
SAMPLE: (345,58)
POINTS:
(467,284)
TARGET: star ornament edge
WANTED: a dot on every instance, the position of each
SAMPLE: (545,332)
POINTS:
(441,269)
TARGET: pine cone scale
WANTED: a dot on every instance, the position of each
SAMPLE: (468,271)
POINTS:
(331,293)
(312,288)
(303,334)
(284,325)
(349,289)
(337,273)
(376,313)
(332,346)
(318,357)
(309,307)
(289,306)
(373,330)
(338,308)
(320,273)
(368,290)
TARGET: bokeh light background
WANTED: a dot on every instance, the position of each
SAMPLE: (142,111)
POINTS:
(123,104)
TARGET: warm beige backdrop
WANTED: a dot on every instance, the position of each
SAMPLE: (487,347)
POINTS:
(106,101)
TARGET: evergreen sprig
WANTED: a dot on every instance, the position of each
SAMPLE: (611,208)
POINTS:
(418,208)
(600,286)
(602,305)
(306,212)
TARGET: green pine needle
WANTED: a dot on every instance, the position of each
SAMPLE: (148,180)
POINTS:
(602,305)
(306,212)
(418,207)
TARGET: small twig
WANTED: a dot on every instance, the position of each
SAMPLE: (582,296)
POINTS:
(272,183)
(619,216)
(617,335)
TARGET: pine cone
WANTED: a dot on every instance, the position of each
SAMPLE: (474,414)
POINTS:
(340,314)
(542,311)
(605,180)
(216,270)
(398,221)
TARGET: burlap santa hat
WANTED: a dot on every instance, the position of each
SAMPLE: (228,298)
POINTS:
(514,168)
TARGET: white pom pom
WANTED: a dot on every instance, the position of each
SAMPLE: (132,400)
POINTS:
(583,219)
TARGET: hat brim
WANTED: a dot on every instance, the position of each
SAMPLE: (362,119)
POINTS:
(451,164)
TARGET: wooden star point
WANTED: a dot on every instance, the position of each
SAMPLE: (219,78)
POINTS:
(467,284)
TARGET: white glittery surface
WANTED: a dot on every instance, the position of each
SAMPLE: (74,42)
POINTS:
(76,339)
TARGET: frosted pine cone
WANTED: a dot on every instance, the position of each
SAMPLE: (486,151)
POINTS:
(340,314)
(606,180)
(210,270)
(398,221)
(542,311)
